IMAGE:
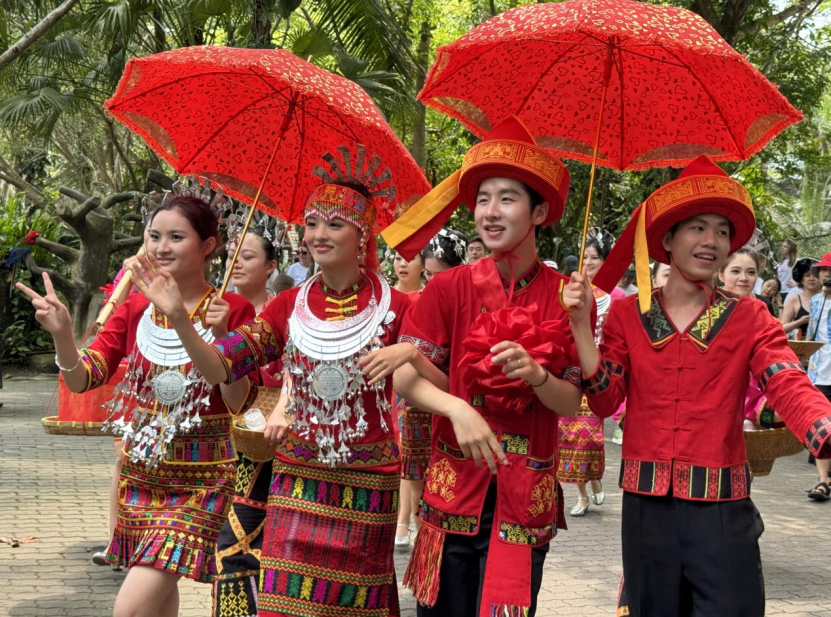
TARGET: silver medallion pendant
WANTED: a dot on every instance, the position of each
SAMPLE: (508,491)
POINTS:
(330,381)
(169,387)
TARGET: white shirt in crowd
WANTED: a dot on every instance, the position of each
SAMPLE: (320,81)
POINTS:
(822,358)
(629,290)
(783,272)
(298,272)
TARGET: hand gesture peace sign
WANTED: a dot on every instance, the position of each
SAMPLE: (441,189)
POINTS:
(49,310)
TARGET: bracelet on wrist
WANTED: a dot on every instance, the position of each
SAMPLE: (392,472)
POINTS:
(62,368)
(542,383)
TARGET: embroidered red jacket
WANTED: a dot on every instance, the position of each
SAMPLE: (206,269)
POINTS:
(118,339)
(529,507)
(685,394)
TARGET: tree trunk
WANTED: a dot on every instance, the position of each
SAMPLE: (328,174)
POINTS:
(41,28)
(419,145)
(261,25)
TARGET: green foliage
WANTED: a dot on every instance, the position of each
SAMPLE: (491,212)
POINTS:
(22,335)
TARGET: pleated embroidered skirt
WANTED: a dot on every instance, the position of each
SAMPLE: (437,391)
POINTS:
(416,432)
(582,449)
(169,517)
(328,547)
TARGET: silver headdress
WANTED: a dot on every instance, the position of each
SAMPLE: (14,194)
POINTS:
(211,194)
(458,240)
(362,172)
(605,239)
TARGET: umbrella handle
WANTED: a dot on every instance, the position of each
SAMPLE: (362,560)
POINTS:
(119,293)
(607,73)
(230,270)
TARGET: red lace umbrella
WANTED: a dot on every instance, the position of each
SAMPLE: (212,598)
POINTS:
(257,122)
(623,84)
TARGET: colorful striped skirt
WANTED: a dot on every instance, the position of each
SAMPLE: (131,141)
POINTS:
(236,586)
(328,548)
(582,450)
(169,517)
(416,433)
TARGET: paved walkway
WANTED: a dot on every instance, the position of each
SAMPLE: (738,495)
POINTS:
(55,488)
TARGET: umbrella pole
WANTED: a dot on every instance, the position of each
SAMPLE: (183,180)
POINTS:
(607,73)
(230,270)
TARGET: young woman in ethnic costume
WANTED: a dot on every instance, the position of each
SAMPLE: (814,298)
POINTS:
(177,479)
(328,545)
(690,531)
(498,329)
(581,443)
(240,541)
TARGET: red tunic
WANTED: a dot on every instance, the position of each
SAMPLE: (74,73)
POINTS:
(528,512)
(118,339)
(685,394)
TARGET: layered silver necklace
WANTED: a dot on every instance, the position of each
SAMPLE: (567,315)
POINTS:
(327,384)
(160,404)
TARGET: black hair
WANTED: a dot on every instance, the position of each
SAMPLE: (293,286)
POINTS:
(603,250)
(355,186)
(199,214)
(447,255)
(476,239)
(533,196)
(268,245)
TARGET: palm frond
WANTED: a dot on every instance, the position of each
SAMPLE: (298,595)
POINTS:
(61,51)
(37,111)
(366,30)
(116,20)
(307,42)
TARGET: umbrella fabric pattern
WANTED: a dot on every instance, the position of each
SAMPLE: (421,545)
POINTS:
(221,112)
(676,89)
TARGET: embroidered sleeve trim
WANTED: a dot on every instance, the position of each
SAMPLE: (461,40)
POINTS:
(602,378)
(817,439)
(248,348)
(573,375)
(777,367)
(437,355)
(764,417)
(98,373)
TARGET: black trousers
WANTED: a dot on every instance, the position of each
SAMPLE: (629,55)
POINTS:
(463,570)
(691,558)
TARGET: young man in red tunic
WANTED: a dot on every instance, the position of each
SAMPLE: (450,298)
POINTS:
(681,357)
(498,329)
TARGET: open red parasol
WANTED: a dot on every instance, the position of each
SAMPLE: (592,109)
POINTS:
(257,122)
(623,84)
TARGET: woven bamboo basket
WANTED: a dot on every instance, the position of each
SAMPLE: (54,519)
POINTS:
(53,426)
(804,349)
(765,446)
(252,443)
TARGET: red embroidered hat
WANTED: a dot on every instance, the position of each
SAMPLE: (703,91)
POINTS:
(702,188)
(508,151)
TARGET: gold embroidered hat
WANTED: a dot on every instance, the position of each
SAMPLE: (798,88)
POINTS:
(702,188)
(508,151)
